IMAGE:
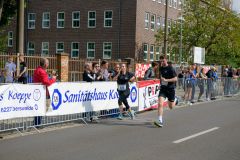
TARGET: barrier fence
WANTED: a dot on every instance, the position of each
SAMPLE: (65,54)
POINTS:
(88,101)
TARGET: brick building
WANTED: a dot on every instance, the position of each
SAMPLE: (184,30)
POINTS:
(94,29)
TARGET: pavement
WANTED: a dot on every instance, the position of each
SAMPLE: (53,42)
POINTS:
(201,131)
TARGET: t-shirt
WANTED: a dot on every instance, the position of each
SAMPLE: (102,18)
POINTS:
(105,75)
(123,80)
(180,75)
(168,72)
(113,72)
(230,74)
(22,65)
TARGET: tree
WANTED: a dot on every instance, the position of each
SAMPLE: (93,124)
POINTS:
(210,25)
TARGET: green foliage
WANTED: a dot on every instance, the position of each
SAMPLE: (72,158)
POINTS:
(9,10)
(209,25)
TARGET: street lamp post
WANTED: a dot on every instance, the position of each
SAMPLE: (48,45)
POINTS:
(181,19)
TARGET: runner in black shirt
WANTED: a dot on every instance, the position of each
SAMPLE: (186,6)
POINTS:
(167,86)
(122,78)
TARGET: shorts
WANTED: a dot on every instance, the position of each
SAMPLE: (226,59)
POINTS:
(167,92)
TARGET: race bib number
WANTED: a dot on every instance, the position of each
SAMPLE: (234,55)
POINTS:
(164,83)
(122,87)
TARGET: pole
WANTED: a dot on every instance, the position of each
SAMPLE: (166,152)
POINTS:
(181,43)
(20,26)
(166,29)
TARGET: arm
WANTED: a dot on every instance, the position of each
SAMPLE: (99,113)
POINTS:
(170,80)
(45,79)
(116,77)
(24,70)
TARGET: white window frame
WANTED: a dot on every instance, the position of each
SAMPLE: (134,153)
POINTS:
(169,25)
(146,20)
(230,4)
(73,20)
(179,4)
(61,20)
(170,3)
(107,50)
(157,53)
(164,24)
(145,52)
(31,49)
(153,0)
(10,38)
(164,2)
(91,50)
(175,4)
(29,21)
(158,22)
(159,1)
(43,20)
(60,50)
(91,19)
(45,49)
(72,50)
(152,52)
(108,19)
(153,22)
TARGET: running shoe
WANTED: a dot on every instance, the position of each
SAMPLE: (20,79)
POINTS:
(158,123)
(132,115)
(176,99)
(120,117)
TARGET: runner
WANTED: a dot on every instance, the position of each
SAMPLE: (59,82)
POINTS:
(122,78)
(167,86)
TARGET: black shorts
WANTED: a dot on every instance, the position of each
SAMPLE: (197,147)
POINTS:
(167,92)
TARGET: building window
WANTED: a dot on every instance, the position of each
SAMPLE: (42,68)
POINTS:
(169,25)
(145,51)
(59,47)
(170,3)
(157,53)
(107,50)
(91,19)
(10,38)
(165,2)
(158,23)
(175,4)
(45,49)
(46,20)
(151,52)
(31,21)
(75,19)
(159,1)
(91,50)
(75,50)
(60,19)
(163,24)
(163,50)
(180,4)
(146,20)
(108,18)
(31,46)
(152,22)
(174,24)
(230,4)
(168,54)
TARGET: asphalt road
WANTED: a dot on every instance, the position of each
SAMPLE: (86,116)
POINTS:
(208,131)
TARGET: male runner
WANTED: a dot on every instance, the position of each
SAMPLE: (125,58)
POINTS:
(167,86)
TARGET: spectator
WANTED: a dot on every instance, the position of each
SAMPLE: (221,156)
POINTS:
(201,82)
(104,68)
(210,76)
(10,69)
(22,77)
(149,74)
(1,76)
(115,70)
(194,81)
(189,82)
(180,77)
(214,83)
(225,73)
(89,74)
(40,76)
(233,75)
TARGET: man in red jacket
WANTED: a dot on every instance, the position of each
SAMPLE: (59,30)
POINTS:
(40,76)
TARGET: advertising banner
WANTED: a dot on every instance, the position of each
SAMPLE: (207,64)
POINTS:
(70,98)
(21,100)
(148,95)
(141,69)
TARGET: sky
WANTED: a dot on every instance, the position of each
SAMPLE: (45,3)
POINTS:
(236,5)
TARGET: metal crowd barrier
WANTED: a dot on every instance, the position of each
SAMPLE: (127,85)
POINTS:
(199,90)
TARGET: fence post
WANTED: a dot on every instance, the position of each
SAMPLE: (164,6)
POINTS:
(62,66)
(130,61)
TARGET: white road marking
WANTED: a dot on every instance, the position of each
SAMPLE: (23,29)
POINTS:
(195,135)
